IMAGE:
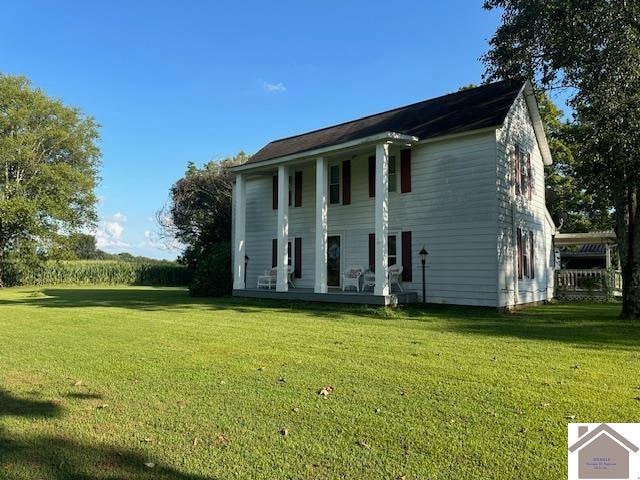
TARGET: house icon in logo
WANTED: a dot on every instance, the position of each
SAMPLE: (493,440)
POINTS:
(602,453)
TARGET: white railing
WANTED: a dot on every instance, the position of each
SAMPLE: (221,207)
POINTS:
(607,282)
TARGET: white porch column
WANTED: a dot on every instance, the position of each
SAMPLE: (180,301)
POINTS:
(282,279)
(382,219)
(321,226)
(239,233)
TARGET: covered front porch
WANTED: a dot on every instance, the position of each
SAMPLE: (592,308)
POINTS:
(316,249)
(333,295)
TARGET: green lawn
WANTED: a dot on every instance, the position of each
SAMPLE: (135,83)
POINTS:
(98,382)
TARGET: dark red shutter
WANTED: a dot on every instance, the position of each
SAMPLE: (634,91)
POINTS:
(274,252)
(516,168)
(346,182)
(372,176)
(298,189)
(405,170)
(372,250)
(529,177)
(407,271)
(532,256)
(519,252)
(274,190)
(297,258)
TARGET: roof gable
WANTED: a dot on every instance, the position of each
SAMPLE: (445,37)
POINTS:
(476,108)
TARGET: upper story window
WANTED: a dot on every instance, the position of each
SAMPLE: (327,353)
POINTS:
(334,184)
(523,172)
(290,188)
(393,174)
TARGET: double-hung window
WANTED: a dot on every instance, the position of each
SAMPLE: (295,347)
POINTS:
(393,253)
(334,184)
(393,174)
(525,250)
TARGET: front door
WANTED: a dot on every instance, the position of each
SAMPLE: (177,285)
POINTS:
(333,260)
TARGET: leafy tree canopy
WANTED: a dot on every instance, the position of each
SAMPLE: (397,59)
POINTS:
(571,203)
(199,210)
(592,48)
(49,162)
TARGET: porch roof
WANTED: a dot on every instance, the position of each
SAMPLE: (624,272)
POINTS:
(473,109)
(565,239)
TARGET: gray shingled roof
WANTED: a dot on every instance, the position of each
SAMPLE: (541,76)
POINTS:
(481,107)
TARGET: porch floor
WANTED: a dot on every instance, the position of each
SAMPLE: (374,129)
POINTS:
(335,295)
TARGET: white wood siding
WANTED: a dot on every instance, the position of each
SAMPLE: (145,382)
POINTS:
(451,211)
(518,211)
(462,208)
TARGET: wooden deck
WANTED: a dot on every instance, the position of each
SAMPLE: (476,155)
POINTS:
(334,296)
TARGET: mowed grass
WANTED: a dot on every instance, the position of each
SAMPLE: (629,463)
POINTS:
(135,383)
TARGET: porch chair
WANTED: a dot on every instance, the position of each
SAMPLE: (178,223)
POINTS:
(351,278)
(369,279)
(270,277)
(395,277)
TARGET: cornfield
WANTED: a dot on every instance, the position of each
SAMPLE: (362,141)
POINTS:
(93,272)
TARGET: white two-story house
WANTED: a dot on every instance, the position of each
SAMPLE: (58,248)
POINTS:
(461,176)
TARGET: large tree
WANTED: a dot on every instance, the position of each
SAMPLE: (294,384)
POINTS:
(49,164)
(593,49)
(198,214)
(573,206)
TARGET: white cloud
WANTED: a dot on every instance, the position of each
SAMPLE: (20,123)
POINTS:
(274,87)
(119,217)
(109,232)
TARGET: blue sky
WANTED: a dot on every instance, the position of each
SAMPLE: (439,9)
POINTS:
(173,82)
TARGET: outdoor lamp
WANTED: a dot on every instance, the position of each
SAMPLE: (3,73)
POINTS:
(423,259)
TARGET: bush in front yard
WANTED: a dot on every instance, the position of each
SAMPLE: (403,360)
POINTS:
(212,272)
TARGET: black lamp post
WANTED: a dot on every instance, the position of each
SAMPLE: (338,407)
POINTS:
(423,259)
(246,262)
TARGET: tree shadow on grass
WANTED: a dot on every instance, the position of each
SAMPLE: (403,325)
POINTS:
(168,299)
(57,457)
(593,326)
(11,405)
(587,325)
(144,299)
